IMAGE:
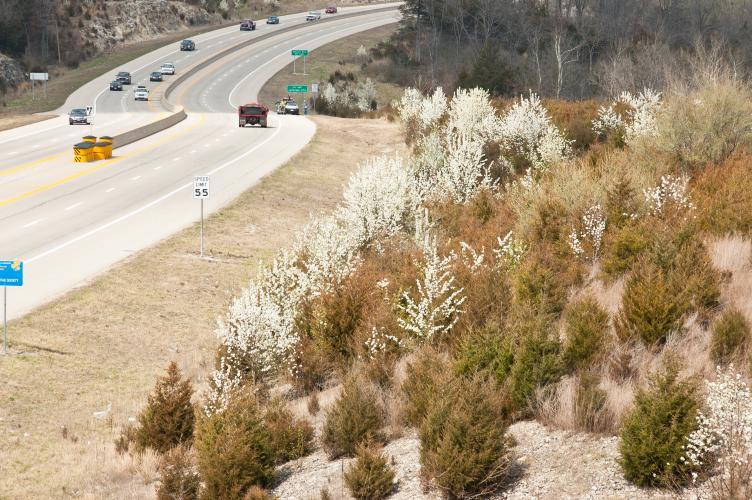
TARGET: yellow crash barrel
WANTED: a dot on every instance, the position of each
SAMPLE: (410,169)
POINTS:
(90,138)
(108,140)
(82,152)
(100,150)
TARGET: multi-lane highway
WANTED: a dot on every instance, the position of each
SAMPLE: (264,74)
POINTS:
(68,221)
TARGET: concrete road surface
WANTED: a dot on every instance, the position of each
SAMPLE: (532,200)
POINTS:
(69,221)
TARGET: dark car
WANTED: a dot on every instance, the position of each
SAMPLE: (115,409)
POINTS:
(155,76)
(123,77)
(331,10)
(187,45)
(116,85)
(272,20)
(78,115)
(247,25)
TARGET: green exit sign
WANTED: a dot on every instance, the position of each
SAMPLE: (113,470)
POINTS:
(297,88)
(299,52)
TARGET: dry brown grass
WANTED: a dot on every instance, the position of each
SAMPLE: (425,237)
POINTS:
(108,340)
(13,121)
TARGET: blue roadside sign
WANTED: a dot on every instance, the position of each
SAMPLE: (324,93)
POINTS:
(11,273)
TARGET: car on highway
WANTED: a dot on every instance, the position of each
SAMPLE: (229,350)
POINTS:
(116,85)
(187,45)
(331,10)
(272,20)
(252,114)
(313,16)
(155,76)
(78,116)
(291,108)
(167,69)
(141,93)
(247,25)
(123,77)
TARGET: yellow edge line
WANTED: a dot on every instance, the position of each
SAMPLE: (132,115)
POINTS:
(25,166)
(105,163)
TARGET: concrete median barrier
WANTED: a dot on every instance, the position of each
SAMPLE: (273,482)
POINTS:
(139,133)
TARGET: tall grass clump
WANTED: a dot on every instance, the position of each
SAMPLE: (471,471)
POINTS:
(168,418)
(234,449)
(730,335)
(654,434)
(370,477)
(463,442)
(178,478)
(356,417)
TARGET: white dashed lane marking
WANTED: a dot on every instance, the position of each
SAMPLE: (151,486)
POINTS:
(135,178)
(32,223)
(110,190)
(74,206)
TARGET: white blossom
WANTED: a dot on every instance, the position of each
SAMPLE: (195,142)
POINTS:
(465,172)
(640,120)
(472,259)
(510,251)
(672,190)
(365,94)
(593,226)
(472,117)
(330,93)
(361,52)
(434,310)
(378,198)
(527,131)
(223,382)
(723,439)
(380,342)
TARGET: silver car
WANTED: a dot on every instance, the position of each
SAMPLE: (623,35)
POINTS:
(167,69)
(141,93)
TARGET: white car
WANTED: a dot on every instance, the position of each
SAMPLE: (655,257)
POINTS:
(291,108)
(167,69)
(141,93)
(313,16)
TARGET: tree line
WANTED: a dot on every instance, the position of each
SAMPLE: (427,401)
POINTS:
(565,48)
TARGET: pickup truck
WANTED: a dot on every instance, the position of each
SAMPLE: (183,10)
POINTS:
(247,25)
(313,16)
(252,114)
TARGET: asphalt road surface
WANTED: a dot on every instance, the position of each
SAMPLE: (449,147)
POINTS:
(69,221)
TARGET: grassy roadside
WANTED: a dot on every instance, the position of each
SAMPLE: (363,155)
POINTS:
(340,55)
(106,341)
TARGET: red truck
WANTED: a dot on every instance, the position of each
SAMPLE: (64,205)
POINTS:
(252,114)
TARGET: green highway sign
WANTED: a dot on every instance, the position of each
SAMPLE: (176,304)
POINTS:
(300,52)
(297,88)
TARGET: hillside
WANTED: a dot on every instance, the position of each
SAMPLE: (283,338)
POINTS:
(537,285)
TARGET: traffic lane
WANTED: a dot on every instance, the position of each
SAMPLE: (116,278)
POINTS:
(248,87)
(207,45)
(112,188)
(24,156)
(84,254)
(209,91)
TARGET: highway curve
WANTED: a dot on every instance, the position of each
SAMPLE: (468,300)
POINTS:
(70,221)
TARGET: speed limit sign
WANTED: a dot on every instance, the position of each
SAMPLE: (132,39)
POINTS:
(201,186)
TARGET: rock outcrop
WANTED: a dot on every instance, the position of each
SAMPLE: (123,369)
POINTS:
(11,73)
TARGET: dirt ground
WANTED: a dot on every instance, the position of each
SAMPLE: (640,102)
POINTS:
(83,365)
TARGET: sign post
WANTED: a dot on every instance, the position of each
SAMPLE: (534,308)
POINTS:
(11,274)
(43,77)
(297,53)
(201,191)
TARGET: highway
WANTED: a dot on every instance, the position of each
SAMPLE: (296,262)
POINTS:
(70,221)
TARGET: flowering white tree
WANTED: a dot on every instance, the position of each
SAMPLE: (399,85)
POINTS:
(330,93)
(672,191)
(328,248)
(527,131)
(590,233)
(378,198)
(472,259)
(472,117)
(465,172)
(434,310)
(722,443)
(640,120)
(365,94)
(381,342)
